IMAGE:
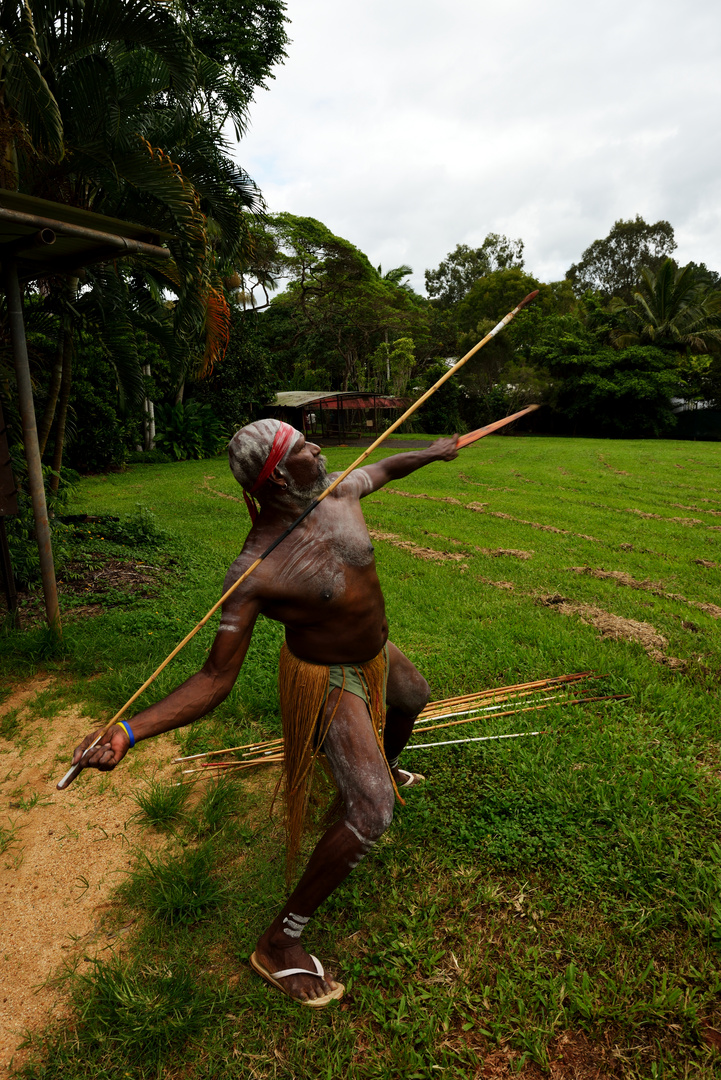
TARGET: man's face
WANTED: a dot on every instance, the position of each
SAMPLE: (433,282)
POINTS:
(305,464)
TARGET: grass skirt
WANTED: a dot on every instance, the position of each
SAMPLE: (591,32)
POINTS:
(303,692)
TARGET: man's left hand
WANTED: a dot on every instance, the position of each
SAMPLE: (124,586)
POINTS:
(444,449)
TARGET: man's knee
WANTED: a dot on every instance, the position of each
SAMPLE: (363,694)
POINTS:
(416,696)
(369,819)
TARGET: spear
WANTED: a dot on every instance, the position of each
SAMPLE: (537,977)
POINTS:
(74,770)
(481,432)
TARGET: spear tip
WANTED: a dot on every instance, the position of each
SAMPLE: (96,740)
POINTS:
(527,300)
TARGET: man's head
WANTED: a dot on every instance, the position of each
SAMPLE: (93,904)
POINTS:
(298,468)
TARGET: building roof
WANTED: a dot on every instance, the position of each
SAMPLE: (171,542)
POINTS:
(351,399)
(293,399)
(49,237)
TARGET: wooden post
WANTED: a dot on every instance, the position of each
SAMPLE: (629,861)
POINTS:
(30,443)
(8,508)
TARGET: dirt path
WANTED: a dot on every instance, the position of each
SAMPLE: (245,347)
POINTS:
(61,853)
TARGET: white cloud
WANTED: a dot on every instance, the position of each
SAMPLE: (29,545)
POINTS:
(410,127)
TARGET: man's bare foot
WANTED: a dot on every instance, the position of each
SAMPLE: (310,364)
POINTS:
(405,779)
(278,955)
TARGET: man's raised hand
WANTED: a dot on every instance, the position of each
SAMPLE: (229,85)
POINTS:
(107,754)
(445,449)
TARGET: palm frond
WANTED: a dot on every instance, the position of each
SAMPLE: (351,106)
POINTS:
(25,88)
(70,27)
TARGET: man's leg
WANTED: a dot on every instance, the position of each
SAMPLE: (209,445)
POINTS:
(362,778)
(406,696)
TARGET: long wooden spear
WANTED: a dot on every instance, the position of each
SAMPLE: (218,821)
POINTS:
(75,769)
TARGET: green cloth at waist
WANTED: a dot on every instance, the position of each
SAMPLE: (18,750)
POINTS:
(353,682)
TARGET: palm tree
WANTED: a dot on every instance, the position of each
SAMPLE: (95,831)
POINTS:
(39,36)
(29,113)
(672,309)
(132,136)
(397,276)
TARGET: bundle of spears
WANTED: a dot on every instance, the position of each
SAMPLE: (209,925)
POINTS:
(470,708)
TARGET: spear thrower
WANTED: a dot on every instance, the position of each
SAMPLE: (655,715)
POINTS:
(464,441)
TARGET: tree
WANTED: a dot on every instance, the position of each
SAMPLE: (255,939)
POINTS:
(613,266)
(390,367)
(29,113)
(672,309)
(35,35)
(602,391)
(140,139)
(247,379)
(458,272)
(338,305)
(246,38)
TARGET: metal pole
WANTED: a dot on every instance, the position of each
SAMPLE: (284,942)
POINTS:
(30,442)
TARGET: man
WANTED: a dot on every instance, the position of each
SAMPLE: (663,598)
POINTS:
(337,666)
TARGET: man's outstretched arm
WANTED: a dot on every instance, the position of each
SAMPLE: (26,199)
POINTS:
(196,697)
(400,465)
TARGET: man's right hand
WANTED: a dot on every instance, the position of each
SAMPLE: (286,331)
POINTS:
(107,754)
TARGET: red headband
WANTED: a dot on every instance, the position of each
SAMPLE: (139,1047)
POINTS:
(284,436)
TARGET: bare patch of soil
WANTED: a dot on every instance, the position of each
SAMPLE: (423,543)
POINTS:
(660,517)
(706,563)
(615,627)
(698,509)
(618,472)
(422,495)
(67,852)
(516,553)
(480,508)
(220,494)
(429,554)
(477,483)
(622,578)
(497,584)
(127,575)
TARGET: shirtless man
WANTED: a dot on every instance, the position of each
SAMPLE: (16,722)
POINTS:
(321,584)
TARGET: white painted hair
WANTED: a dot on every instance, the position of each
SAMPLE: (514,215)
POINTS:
(249,448)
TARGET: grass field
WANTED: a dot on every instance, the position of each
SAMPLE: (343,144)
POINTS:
(547,903)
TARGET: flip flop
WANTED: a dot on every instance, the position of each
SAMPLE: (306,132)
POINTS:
(273,976)
(413,778)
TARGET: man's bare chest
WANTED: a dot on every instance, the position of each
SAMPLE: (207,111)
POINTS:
(324,562)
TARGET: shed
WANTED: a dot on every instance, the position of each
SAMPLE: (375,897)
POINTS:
(330,414)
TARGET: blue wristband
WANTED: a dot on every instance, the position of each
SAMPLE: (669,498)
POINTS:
(128,731)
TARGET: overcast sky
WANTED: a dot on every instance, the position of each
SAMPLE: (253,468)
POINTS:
(410,127)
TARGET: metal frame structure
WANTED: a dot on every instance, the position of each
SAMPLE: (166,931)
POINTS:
(338,414)
(37,238)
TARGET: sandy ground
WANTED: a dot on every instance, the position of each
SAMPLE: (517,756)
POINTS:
(68,852)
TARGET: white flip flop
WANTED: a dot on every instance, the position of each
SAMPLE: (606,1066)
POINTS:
(273,976)
(413,778)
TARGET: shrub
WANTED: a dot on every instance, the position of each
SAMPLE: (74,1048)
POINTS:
(21,527)
(135,530)
(189,430)
(148,457)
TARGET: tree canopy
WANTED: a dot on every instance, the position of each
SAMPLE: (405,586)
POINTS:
(463,267)
(613,266)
